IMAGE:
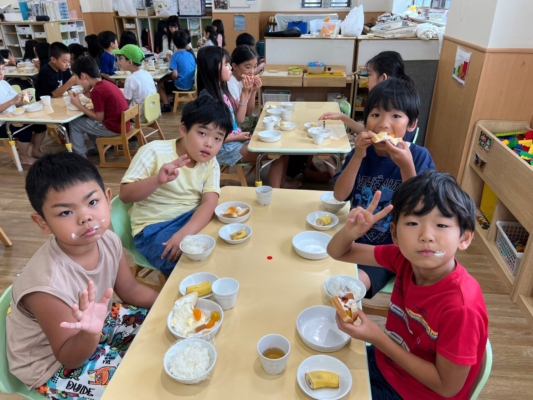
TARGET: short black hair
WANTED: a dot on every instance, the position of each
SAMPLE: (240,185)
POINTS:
(245,38)
(2,61)
(105,38)
(434,189)
(77,50)
(180,39)
(5,53)
(394,94)
(43,51)
(57,49)
(58,172)
(87,65)
(127,37)
(205,110)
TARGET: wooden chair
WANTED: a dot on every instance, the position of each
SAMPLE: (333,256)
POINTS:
(238,176)
(190,95)
(4,239)
(380,310)
(152,111)
(120,142)
(51,129)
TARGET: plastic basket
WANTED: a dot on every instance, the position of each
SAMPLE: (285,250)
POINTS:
(507,234)
(276,95)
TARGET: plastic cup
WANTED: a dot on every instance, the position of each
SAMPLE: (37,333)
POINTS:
(273,366)
(66,99)
(45,100)
(264,195)
(225,292)
(286,114)
(269,125)
(318,138)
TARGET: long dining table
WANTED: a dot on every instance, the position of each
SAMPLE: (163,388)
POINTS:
(276,284)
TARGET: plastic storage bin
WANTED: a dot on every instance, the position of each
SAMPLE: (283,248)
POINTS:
(509,233)
(276,95)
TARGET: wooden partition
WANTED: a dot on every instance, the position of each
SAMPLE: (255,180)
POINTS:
(251,21)
(96,22)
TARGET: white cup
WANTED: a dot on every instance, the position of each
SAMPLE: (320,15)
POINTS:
(264,195)
(66,99)
(273,366)
(286,114)
(225,291)
(318,138)
(151,63)
(45,100)
(269,125)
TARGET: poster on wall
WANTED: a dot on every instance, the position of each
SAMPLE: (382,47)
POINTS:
(462,62)
(221,4)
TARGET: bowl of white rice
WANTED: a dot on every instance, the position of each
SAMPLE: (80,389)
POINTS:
(190,361)
(197,247)
(339,285)
(331,203)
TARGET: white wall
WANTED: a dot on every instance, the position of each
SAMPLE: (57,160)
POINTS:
(512,25)
(471,20)
(294,5)
(96,5)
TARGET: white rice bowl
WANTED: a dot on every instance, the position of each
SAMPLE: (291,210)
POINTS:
(190,361)
(339,285)
(193,245)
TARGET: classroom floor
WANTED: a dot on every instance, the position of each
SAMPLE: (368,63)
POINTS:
(510,335)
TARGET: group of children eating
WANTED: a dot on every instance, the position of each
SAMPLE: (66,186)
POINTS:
(406,222)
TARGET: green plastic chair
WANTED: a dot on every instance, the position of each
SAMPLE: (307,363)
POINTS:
(483,374)
(8,382)
(121,223)
(16,88)
(346,108)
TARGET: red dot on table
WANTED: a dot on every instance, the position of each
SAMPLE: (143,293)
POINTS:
(269,258)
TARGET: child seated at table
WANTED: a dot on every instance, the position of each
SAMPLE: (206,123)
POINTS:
(188,47)
(140,83)
(43,54)
(9,58)
(437,326)
(65,335)
(392,107)
(109,42)
(175,184)
(108,102)
(55,78)
(183,67)
(249,40)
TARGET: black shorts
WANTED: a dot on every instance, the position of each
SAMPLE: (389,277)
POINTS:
(25,135)
(379,277)
(170,87)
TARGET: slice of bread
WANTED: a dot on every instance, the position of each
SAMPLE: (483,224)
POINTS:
(384,136)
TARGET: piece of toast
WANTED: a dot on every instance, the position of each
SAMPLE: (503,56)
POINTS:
(384,136)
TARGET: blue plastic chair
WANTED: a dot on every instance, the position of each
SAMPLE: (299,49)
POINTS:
(121,223)
(8,382)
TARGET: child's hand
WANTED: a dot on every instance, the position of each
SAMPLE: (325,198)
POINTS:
(169,171)
(334,116)
(400,155)
(243,136)
(17,99)
(367,330)
(172,247)
(362,142)
(90,315)
(75,100)
(360,220)
(247,83)
(257,83)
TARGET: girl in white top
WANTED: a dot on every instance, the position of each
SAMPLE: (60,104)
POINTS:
(244,63)
(169,48)
(210,36)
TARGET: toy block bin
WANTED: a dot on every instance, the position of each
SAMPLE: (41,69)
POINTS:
(508,235)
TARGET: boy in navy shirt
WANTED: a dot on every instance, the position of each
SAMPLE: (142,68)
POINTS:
(392,106)
(108,40)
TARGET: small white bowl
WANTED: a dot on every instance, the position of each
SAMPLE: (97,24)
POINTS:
(195,279)
(34,107)
(287,126)
(311,244)
(331,204)
(312,217)
(163,68)
(210,243)
(206,306)
(128,72)
(309,125)
(318,329)
(269,136)
(352,279)
(227,230)
(10,69)
(221,209)
(20,112)
(176,347)
(120,73)
(311,131)
(274,111)
(288,105)
(325,363)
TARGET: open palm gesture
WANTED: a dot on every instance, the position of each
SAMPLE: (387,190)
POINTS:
(90,316)
(360,220)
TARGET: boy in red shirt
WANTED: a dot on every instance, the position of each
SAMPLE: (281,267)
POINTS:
(108,102)
(437,325)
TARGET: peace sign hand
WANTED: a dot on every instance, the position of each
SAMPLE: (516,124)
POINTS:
(360,220)
(170,171)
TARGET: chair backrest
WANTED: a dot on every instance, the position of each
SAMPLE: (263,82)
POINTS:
(346,108)
(121,223)
(128,115)
(152,108)
(16,88)
(483,374)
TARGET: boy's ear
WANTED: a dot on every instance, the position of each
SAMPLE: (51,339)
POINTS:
(41,223)
(412,127)
(183,129)
(465,240)
(108,196)
(393,233)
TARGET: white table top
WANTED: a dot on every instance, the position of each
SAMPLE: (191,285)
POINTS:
(298,141)
(156,77)
(56,113)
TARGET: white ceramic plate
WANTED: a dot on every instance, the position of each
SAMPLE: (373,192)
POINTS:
(330,203)
(274,111)
(309,125)
(34,107)
(227,230)
(222,208)
(269,136)
(195,279)
(209,241)
(206,306)
(325,363)
(18,113)
(318,329)
(176,347)
(311,130)
(353,279)
(311,244)
(287,126)
(312,217)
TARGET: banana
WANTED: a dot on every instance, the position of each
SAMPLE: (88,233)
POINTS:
(202,288)
(324,220)
(322,379)
(238,235)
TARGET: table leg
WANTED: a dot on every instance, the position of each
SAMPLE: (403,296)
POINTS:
(258,166)
(338,159)
(13,147)
(63,131)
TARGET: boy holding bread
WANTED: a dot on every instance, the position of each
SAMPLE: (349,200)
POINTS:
(437,325)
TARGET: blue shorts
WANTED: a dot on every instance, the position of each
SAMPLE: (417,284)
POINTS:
(230,153)
(381,389)
(150,241)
